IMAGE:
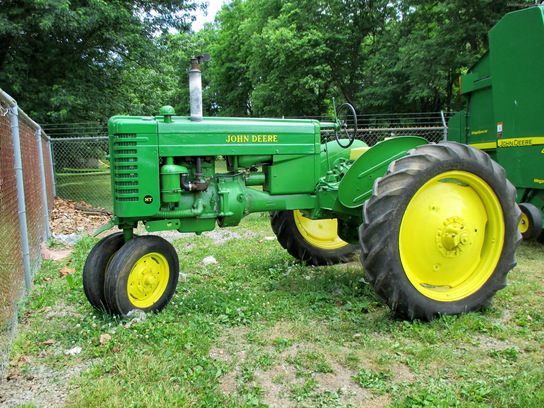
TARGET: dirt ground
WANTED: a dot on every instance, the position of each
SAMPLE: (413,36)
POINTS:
(70,221)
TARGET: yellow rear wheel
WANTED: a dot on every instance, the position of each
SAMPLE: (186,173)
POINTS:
(458,221)
(319,233)
(315,242)
(440,231)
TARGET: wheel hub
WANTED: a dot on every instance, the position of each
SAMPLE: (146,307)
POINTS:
(145,283)
(524,223)
(148,280)
(452,235)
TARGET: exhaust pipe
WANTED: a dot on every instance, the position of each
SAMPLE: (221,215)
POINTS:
(195,87)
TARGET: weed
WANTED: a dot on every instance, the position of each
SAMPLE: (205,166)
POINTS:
(310,361)
(54,244)
(379,382)
(282,344)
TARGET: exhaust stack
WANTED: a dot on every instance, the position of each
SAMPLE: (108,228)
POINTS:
(195,87)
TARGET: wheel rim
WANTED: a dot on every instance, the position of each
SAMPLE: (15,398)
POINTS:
(524,223)
(319,233)
(148,280)
(451,236)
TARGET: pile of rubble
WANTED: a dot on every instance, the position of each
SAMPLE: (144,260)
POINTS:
(69,217)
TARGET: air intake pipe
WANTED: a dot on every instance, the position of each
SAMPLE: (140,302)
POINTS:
(195,87)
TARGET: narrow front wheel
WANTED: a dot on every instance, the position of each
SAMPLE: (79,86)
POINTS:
(142,275)
(95,268)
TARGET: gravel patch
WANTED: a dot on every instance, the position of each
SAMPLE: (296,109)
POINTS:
(39,385)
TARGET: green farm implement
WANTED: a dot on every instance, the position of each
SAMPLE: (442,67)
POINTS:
(436,224)
(503,117)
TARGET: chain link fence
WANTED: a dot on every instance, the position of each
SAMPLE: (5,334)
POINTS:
(430,126)
(26,197)
(82,170)
(374,128)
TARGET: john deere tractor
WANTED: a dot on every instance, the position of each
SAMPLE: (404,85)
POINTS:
(436,224)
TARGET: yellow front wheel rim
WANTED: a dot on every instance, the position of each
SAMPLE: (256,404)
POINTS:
(319,233)
(451,236)
(148,280)
(524,223)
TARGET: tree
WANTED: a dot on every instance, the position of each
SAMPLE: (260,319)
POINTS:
(230,43)
(425,49)
(285,57)
(67,60)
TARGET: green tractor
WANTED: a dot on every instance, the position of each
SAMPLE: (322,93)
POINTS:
(503,116)
(436,225)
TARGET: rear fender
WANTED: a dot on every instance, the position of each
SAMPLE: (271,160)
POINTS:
(356,186)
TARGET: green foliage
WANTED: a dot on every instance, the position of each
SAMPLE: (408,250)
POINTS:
(288,58)
(89,60)
(422,54)
(74,60)
(281,57)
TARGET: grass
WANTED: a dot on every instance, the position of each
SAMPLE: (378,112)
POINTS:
(257,329)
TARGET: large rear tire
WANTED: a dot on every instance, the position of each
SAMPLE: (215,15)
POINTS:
(315,242)
(142,275)
(440,231)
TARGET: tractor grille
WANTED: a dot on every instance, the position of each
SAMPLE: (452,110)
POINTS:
(125,167)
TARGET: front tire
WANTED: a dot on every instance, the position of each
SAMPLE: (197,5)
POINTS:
(142,275)
(95,267)
(440,231)
(315,242)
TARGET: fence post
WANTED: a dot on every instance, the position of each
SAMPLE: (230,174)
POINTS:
(14,120)
(47,231)
(445,131)
(53,176)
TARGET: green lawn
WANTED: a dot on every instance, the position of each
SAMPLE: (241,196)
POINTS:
(257,329)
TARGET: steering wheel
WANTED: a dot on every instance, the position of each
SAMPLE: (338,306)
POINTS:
(346,125)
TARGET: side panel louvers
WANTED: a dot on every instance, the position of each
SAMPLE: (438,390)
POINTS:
(125,165)
(135,174)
